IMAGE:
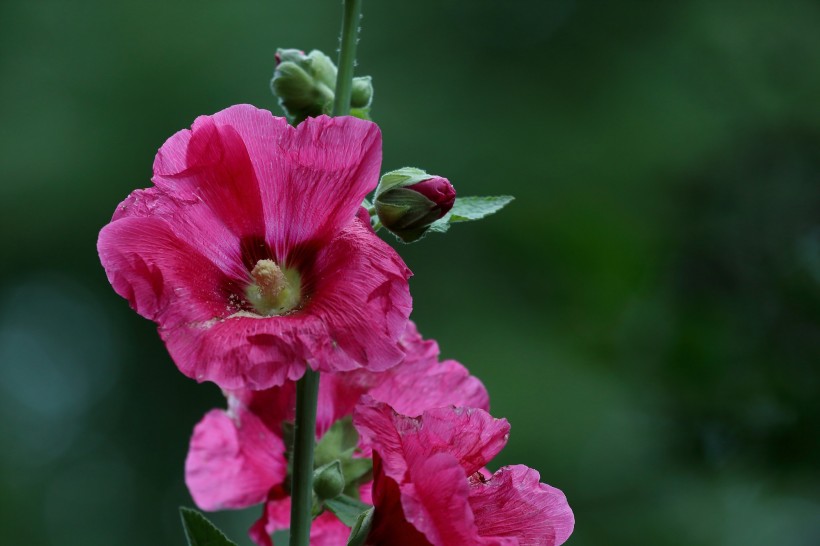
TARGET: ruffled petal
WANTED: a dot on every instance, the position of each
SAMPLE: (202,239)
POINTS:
(233,461)
(435,500)
(358,290)
(304,184)
(190,220)
(470,435)
(413,389)
(390,527)
(513,504)
(163,278)
(358,307)
(210,163)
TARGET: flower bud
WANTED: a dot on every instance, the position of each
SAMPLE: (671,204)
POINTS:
(305,85)
(328,480)
(362,92)
(409,200)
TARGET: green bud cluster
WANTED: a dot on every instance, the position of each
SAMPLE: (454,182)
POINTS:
(305,83)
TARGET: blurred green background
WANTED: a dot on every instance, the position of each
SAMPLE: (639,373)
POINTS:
(645,314)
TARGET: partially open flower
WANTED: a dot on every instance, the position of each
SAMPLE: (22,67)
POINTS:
(249,255)
(409,200)
(431,489)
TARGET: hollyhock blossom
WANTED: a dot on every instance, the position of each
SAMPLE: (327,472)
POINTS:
(430,486)
(249,255)
(237,457)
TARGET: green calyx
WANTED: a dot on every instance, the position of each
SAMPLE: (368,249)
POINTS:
(337,474)
(274,291)
(406,213)
(329,480)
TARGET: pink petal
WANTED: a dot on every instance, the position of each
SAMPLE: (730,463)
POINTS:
(512,503)
(471,435)
(262,177)
(233,462)
(359,291)
(413,389)
(435,500)
(210,163)
(311,179)
(338,394)
(390,527)
(192,222)
(162,277)
(358,307)
(326,529)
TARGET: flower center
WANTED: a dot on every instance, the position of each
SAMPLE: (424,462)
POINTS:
(275,291)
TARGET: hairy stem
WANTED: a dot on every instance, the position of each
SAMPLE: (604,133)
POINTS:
(347,56)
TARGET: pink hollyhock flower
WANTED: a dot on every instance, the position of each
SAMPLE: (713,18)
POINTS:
(237,457)
(430,487)
(248,254)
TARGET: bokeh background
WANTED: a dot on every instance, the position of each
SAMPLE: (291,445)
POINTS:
(645,314)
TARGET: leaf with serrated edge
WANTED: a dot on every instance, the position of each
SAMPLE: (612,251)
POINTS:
(470,208)
(475,208)
(200,531)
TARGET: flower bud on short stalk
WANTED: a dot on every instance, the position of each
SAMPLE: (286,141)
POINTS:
(409,200)
(362,92)
(328,480)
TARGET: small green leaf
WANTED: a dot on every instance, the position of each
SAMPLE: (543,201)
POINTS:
(347,509)
(476,208)
(201,532)
(338,442)
(360,530)
(470,208)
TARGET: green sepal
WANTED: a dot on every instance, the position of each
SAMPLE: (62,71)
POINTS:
(339,444)
(467,209)
(347,509)
(361,113)
(200,531)
(400,178)
(361,529)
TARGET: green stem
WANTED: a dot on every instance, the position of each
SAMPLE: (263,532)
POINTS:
(307,389)
(347,57)
(304,438)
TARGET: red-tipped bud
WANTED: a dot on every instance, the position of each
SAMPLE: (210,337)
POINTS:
(409,200)
(439,191)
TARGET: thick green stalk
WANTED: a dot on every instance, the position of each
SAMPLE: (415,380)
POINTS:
(304,438)
(347,57)
(307,389)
